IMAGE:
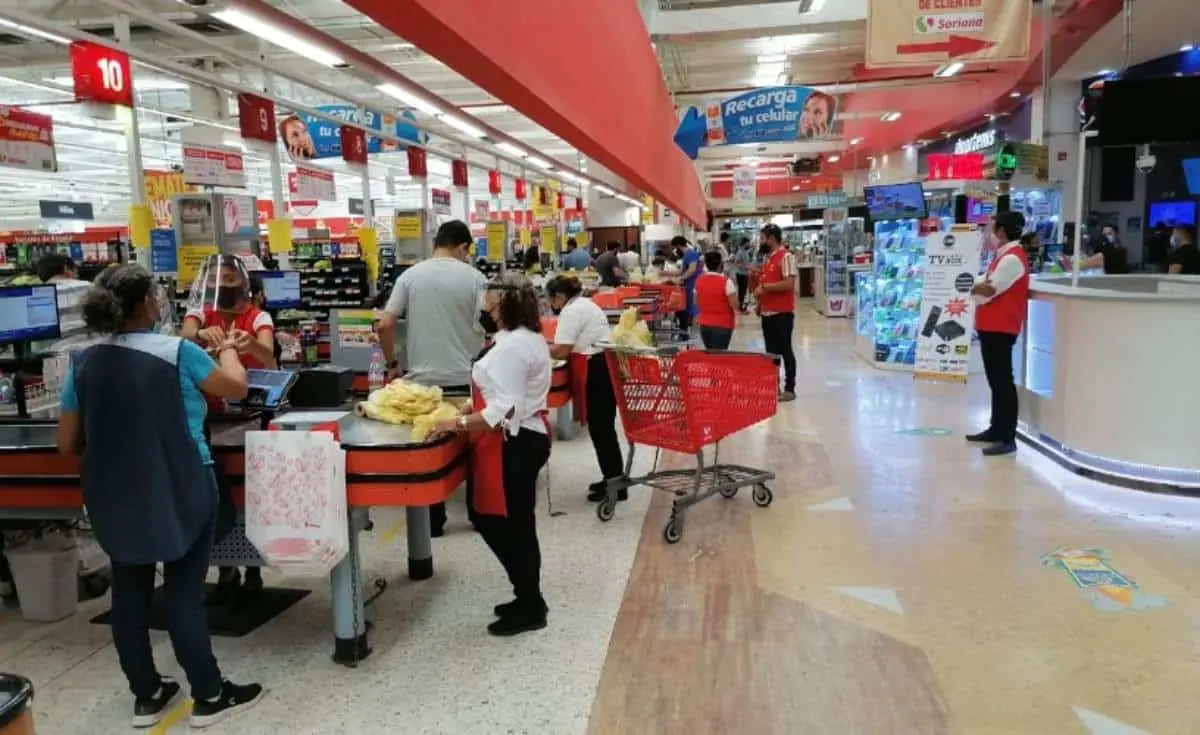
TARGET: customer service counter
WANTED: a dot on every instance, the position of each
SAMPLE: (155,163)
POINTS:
(1109,377)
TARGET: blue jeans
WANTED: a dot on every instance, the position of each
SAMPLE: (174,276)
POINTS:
(132,604)
(715,338)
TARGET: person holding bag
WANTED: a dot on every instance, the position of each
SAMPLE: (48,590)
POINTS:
(582,326)
(509,433)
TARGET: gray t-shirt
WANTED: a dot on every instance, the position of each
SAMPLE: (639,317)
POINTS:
(440,300)
(606,266)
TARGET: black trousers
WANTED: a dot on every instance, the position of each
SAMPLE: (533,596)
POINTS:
(187,621)
(602,418)
(513,539)
(996,349)
(437,511)
(743,287)
(777,339)
(715,338)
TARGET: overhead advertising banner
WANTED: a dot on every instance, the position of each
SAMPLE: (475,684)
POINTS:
(745,187)
(212,165)
(160,187)
(54,209)
(26,140)
(307,137)
(947,318)
(763,115)
(314,183)
(935,32)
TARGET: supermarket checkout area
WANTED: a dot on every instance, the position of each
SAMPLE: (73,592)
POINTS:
(1106,375)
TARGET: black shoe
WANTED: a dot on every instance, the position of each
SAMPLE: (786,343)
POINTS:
(253,584)
(518,621)
(148,712)
(234,698)
(999,449)
(506,609)
(983,437)
(437,532)
(225,592)
(595,496)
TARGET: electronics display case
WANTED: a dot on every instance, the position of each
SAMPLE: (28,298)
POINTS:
(834,281)
(889,297)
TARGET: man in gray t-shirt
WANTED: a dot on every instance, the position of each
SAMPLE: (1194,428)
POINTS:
(608,266)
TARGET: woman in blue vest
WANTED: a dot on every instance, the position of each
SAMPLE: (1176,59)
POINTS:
(133,409)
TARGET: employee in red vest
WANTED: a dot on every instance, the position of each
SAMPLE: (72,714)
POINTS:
(1003,296)
(717,299)
(776,295)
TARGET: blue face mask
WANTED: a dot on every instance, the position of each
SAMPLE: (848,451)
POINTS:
(1174,241)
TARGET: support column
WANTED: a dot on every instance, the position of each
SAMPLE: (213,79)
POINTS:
(279,227)
(141,219)
(368,237)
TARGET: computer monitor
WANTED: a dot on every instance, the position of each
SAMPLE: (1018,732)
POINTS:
(28,313)
(281,289)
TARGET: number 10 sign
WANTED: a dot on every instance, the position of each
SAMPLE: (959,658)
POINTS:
(101,74)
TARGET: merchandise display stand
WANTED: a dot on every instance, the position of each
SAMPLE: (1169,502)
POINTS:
(889,296)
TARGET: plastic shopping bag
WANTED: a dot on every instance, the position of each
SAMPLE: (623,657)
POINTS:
(296,512)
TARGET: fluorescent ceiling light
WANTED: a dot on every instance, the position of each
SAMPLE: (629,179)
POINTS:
(281,37)
(485,109)
(605,190)
(833,159)
(890,116)
(33,85)
(409,98)
(1014,94)
(772,58)
(539,162)
(36,33)
(949,70)
(461,125)
(189,118)
(512,150)
(855,141)
(141,83)
(1105,72)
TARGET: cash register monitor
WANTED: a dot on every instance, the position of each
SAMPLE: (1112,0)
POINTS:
(268,388)
(28,313)
(281,289)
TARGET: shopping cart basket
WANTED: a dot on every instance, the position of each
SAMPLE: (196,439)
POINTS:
(685,401)
(661,318)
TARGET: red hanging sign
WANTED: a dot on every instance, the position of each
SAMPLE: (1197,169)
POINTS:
(418,166)
(519,189)
(256,118)
(493,182)
(955,166)
(101,74)
(579,203)
(560,201)
(354,145)
(458,173)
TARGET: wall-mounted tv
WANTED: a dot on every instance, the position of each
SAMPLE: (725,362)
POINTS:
(895,201)
(1191,174)
(1174,213)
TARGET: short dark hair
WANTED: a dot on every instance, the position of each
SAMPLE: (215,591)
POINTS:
(115,297)
(256,285)
(773,230)
(453,234)
(1012,223)
(679,241)
(613,245)
(712,260)
(53,265)
(1189,230)
(519,305)
(568,286)
(571,244)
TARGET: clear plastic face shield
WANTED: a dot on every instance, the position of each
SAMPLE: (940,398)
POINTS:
(222,284)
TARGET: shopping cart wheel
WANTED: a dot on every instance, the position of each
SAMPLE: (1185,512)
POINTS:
(605,510)
(762,495)
(673,531)
(729,492)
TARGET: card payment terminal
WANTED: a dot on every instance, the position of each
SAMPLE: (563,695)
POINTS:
(268,388)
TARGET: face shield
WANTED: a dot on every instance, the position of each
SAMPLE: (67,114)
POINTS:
(222,284)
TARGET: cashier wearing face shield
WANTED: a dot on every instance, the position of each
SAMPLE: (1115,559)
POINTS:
(220,307)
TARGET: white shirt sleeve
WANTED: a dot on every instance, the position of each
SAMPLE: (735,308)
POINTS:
(730,288)
(505,387)
(570,325)
(1008,271)
(398,302)
(263,321)
(787,269)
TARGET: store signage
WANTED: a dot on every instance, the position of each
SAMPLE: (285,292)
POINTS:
(458,173)
(827,200)
(161,186)
(745,189)
(164,258)
(313,182)
(763,115)
(955,166)
(418,162)
(52,209)
(256,118)
(947,319)
(933,32)
(101,74)
(497,240)
(978,142)
(354,146)
(212,165)
(27,140)
(519,190)
(355,206)
(308,137)
(239,215)
(494,182)
(439,201)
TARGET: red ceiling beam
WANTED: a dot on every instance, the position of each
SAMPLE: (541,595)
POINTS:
(582,69)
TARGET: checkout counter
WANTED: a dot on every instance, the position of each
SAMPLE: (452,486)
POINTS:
(1106,373)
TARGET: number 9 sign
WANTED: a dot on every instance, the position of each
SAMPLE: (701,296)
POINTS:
(256,118)
(101,74)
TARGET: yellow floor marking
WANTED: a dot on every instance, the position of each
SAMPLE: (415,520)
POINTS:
(174,717)
(393,530)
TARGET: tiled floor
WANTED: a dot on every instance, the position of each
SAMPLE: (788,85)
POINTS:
(896,585)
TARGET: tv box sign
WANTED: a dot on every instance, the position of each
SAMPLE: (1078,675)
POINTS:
(51,209)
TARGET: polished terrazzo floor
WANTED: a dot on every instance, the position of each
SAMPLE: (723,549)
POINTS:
(900,583)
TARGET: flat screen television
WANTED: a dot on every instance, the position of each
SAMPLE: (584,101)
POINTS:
(895,201)
(1157,110)
(1182,212)
(28,313)
(1191,174)
(281,289)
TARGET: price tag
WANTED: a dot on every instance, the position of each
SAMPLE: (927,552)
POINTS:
(256,118)
(101,74)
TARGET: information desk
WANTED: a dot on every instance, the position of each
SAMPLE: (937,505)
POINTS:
(383,469)
(1107,377)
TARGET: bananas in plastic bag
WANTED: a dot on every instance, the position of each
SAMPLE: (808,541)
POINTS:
(400,402)
(631,331)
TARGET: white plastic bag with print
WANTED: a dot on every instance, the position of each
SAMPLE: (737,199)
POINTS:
(296,500)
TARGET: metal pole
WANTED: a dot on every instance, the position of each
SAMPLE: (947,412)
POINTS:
(268,88)
(1080,190)
(133,143)
(1047,27)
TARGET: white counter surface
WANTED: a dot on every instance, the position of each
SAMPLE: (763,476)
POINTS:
(1122,288)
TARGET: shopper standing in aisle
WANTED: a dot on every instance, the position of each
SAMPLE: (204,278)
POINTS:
(576,258)
(1184,258)
(439,297)
(132,391)
(740,267)
(776,294)
(509,432)
(608,266)
(1003,296)
(689,264)
(716,297)
(581,327)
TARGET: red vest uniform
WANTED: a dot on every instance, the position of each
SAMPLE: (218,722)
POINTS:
(244,321)
(713,301)
(775,302)
(1006,312)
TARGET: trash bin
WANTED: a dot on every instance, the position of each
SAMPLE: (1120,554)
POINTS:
(16,705)
(45,572)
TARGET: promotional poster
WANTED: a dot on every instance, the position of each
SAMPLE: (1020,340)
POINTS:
(947,319)
(307,138)
(763,115)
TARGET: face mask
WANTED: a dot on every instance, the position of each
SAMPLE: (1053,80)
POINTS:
(488,323)
(1174,241)
(228,299)
(1109,239)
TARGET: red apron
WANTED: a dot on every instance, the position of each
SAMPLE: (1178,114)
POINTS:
(487,462)
(577,375)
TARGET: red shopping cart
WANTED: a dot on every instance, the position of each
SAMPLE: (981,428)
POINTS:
(685,401)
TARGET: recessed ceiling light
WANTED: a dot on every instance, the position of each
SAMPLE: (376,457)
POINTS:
(834,158)
(890,116)
(1014,94)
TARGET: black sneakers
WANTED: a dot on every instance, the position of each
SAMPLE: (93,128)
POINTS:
(148,712)
(505,609)
(983,437)
(518,621)
(234,698)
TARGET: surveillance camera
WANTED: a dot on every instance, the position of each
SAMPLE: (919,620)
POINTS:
(1145,163)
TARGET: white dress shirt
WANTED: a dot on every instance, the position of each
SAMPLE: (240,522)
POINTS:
(1009,269)
(582,324)
(514,378)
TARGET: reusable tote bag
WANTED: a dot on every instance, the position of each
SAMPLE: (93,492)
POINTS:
(296,500)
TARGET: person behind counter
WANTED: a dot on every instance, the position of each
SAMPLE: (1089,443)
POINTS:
(608,266)
(1108,253)
(717,299)
(134,390)
(510,443)
(581,327)
(1185,257)
(440,298)
(234,315)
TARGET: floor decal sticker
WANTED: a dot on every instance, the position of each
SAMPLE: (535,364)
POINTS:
(1108,589)
(925,431)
